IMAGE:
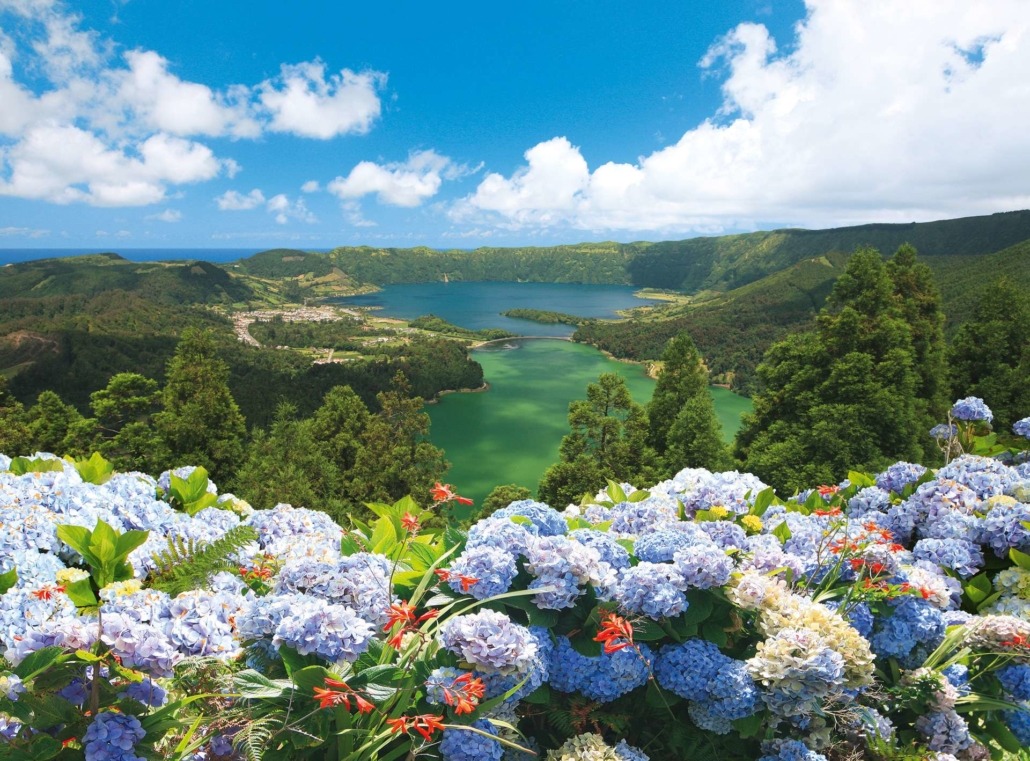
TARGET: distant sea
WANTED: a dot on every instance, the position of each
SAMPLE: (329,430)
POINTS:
(12,255)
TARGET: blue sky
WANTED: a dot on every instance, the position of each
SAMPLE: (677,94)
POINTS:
(145,123)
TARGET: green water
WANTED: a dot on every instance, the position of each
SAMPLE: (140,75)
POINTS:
(511,433)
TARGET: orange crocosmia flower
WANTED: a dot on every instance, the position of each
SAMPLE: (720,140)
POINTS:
(426,724)
(363,705)
(410,523)
(828,491)
(613,629)
(443,573)
(464,693)
(445,493)
(47,591)
(467,582)
(331,698)
(400,613)
(400,724)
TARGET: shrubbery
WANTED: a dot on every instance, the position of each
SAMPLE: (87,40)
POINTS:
(884,617)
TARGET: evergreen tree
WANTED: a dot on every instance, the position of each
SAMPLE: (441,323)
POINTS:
(608,440)
(200,422)
(842,396)
(396,457)
(286,464)
(990,354)
(919,300)
(125,433)
(57,427)
(15,439)
(682,426)
(338,425)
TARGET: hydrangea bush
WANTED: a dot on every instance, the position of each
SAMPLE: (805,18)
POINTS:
(885,617)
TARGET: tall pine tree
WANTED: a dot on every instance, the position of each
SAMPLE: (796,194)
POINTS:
(842,396)
(200,422)
(990,354)
(607,440)
(682,426)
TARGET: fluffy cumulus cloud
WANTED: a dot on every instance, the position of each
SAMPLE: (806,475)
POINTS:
(233,200)
(111,127)
(880,110)
(303,101)
(283,209)
(407,183)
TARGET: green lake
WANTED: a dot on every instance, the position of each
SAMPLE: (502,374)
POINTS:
(511,433)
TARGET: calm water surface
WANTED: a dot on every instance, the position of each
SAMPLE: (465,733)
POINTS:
(479,305)
(511,433)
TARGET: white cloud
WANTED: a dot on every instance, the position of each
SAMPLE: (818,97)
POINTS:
(132,118)
(64,164)
(232,200)
(23,232)
(284,210)
(880,110)
(303,102)
(311,186)
(168,215)
(398,184)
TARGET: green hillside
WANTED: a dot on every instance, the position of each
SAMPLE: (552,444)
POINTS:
(192,282)
(717,263)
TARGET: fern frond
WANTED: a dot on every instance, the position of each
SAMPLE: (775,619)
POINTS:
(189,564)
(254,737)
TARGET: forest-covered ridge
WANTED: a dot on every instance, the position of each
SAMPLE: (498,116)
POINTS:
(713,263)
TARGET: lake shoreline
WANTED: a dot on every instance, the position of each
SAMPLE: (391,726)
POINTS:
(443,392)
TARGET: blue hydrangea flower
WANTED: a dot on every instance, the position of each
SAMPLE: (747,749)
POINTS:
(788,750)
(112,737)
(798,671)
(944,431)
(704,566)
(910,632)
(493,568)
(899,475)
(871,498)
(958,675)
(11,686)
(547,520)
(1022,428)
(1003,528)
(562,567)
(659,546)
(653,589)
(986,476)
(959,555)
(726,534)
(1018,720)
(945,731)
(687,669)
(1015,679)
(463,745)
(611,552)
(147,692)
(639,518)
(489,641)
(603,678)
(971,408)
(503,534)
(333,632)
(627,752)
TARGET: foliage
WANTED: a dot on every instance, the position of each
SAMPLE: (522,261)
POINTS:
(843,395)
(682,427)
(189,564)
(607,441)
(546,317)
(439,325)
(705,616)
(199,420)
(990,354)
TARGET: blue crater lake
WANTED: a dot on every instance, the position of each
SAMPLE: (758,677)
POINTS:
(478,305)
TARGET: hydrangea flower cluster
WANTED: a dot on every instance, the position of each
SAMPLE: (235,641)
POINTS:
(719,688)
(113,737)
(490,642)
(972,409)
(603,678)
